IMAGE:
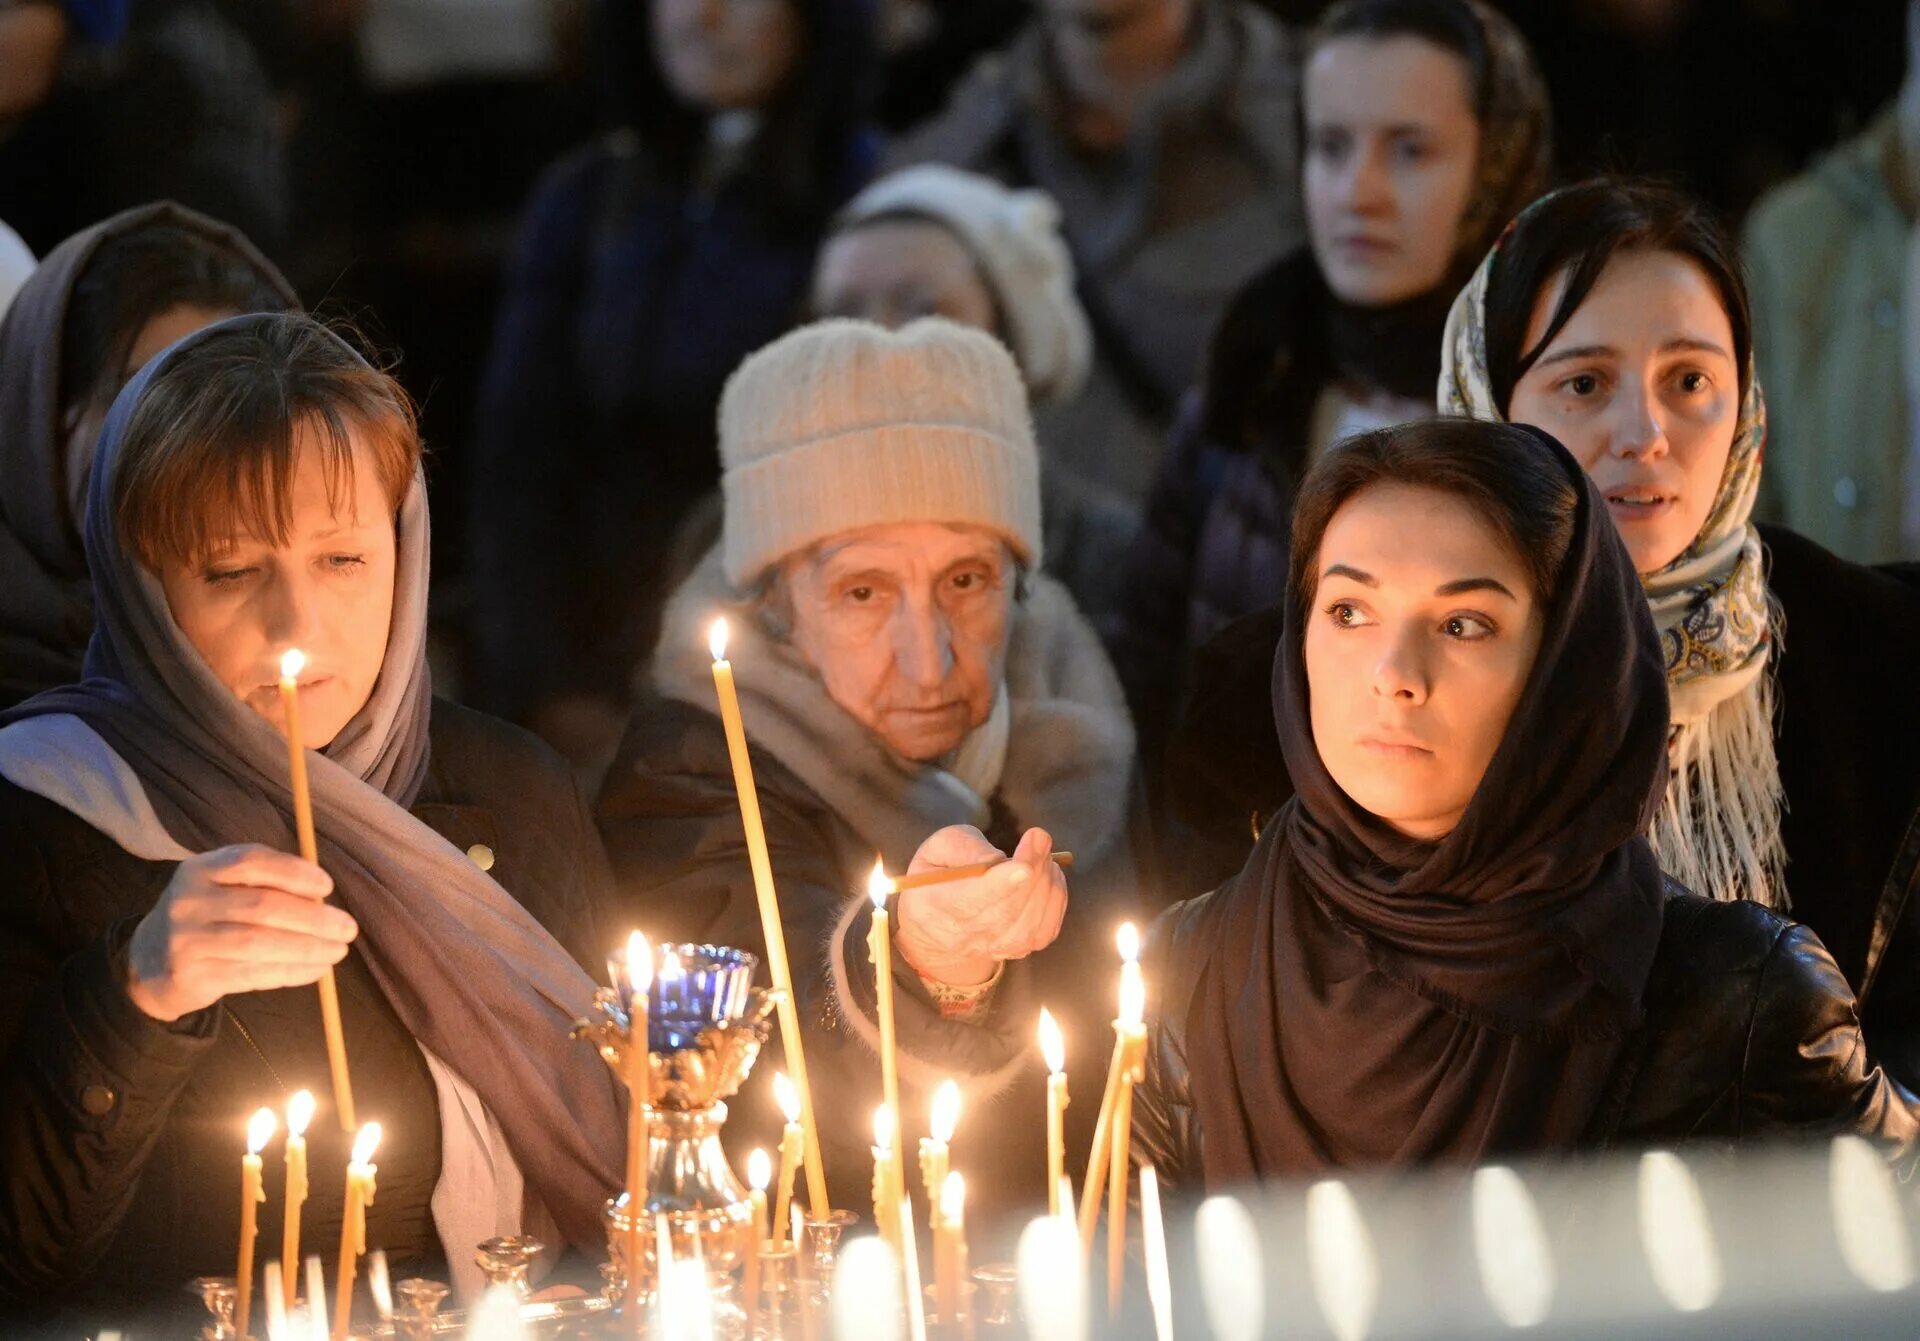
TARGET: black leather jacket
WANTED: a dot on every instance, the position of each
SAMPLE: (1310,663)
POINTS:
(1750,1032)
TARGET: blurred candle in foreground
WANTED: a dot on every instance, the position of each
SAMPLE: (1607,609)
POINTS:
(759,1174)
(1053,1050)
(1053,1280)
(276,1303)
(496,1317)
(1159,1283)
(316,1298)
(1233,1270)
(865,1302)
(935,1148)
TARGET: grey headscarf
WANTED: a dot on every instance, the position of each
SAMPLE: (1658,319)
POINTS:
(470,973)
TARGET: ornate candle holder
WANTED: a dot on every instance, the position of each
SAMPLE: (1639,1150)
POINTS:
(706,1023)
(221,1299)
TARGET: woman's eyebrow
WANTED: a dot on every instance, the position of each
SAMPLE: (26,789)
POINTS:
(1467,584)
(1579,352)
(1351,573)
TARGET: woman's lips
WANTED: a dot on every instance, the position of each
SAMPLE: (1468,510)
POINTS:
(1394,749)
(1639,505)
(1365,248)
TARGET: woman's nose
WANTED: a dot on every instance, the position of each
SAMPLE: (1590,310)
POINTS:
(1401,672)
(1637,431)
(923,644)
(1368,191)
(292,611)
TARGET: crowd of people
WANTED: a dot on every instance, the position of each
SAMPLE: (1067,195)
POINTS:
(1215,441)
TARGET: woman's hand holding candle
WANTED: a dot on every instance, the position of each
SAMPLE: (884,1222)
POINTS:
(237,919)
(958,932)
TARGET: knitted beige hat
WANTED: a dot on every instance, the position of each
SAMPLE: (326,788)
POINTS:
(845,424)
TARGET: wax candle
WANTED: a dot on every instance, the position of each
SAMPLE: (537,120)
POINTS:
(291,665)
(910,1262)
(788,1099)
(1100,1155)
(886,1201)
(1053,1048)
(380,1284)
(274,1278)
(880,951)
(252,1192)
(759,1174)
(634,982)
(935,1148)
(1159,1282)
(1133,1000)
(299,1114)
(950,1248)
(316,1298)
(770,924)
(353,1224)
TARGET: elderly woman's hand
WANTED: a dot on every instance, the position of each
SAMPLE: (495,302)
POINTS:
(958,933)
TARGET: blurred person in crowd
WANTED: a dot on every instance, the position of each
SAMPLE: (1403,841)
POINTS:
(1167,132)
(1454,944)
(935,241)
(649,264)
(914,686)
(928,45)
(1426,130)
(258,488)
(165,100)
(1834,259)
(102,303)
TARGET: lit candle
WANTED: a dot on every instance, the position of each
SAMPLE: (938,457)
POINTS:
(790,1151)
(635,981)
(950,1248)
(770,925)
(759,1174)
(1133,1037)
(1128,941)
(299,1114)
(1053,1048)
(1159,1282)
(880,951)
(934,1149)
(380,1285)
(353,1224)
(291,665)
(910,1261)
(886,1203)
(252,1193)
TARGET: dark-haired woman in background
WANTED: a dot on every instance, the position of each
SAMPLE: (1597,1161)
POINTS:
(1426,129)
(1454,944)
(650,264)
(95,310)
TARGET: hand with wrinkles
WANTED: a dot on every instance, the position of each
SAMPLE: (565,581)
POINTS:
(958,933)
(237,919)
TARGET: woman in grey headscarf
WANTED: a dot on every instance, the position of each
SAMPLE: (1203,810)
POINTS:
(258,488)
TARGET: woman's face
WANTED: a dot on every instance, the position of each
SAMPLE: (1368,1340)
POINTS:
(726,54)
(906,624)
(897,270)
(1421,636)
(1642,387)
(1392,142)
(328,592)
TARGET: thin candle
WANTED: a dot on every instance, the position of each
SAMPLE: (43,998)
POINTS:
(770,925)
(759,1174)
(880,951)
(910,1258)
(935,1149)
(353,1225)
(791,1139)
(291,665)
(886,1201)
(1128,942)
(316,1298)
(274,1282)
(636,981)
(1053,1049)
(948,874)
(252,1192)
(1133,1001)
(1159,1282)
(950,1248)
(299,1114)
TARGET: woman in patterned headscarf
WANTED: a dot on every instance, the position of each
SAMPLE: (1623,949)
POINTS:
(1615,316)
(1426,128)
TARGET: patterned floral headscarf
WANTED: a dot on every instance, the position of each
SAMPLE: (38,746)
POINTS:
(1719,831)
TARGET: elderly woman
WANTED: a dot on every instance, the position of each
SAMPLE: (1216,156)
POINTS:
(913,689)
(258,488)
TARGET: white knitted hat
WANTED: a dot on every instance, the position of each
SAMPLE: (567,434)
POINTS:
(1014,236)
(845,424)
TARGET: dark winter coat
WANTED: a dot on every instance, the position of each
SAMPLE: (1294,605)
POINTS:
(121,1135)
(1846,735)
(1750,1033)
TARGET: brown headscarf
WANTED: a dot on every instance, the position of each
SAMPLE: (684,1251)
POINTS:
(46,607)
(1372,999)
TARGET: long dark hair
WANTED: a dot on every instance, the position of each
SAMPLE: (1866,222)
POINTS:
(1577,232)
(1505,472)
(803,160)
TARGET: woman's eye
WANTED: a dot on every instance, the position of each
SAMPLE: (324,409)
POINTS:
(859,595)
(226,577)
(1467,628)
(1345,614)
(1409,151)
(1693,382)
(345,561)
(1328,144)
(1581,384)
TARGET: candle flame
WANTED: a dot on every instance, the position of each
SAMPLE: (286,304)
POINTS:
(260,1130)
(364,1143)
(299,1113)
(380,1284)
(953,1197)
(292,663)
(883,1128)
(785,1095)
(1133,998)
(717,639)
(1053,1047)
(946,1111)
(878,885)
(759,1170)
(1128,940)
(671,969)
(639,963)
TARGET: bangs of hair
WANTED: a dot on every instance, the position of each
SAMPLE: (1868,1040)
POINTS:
(213,447)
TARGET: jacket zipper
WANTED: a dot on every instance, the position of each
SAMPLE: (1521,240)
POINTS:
(246,1034)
